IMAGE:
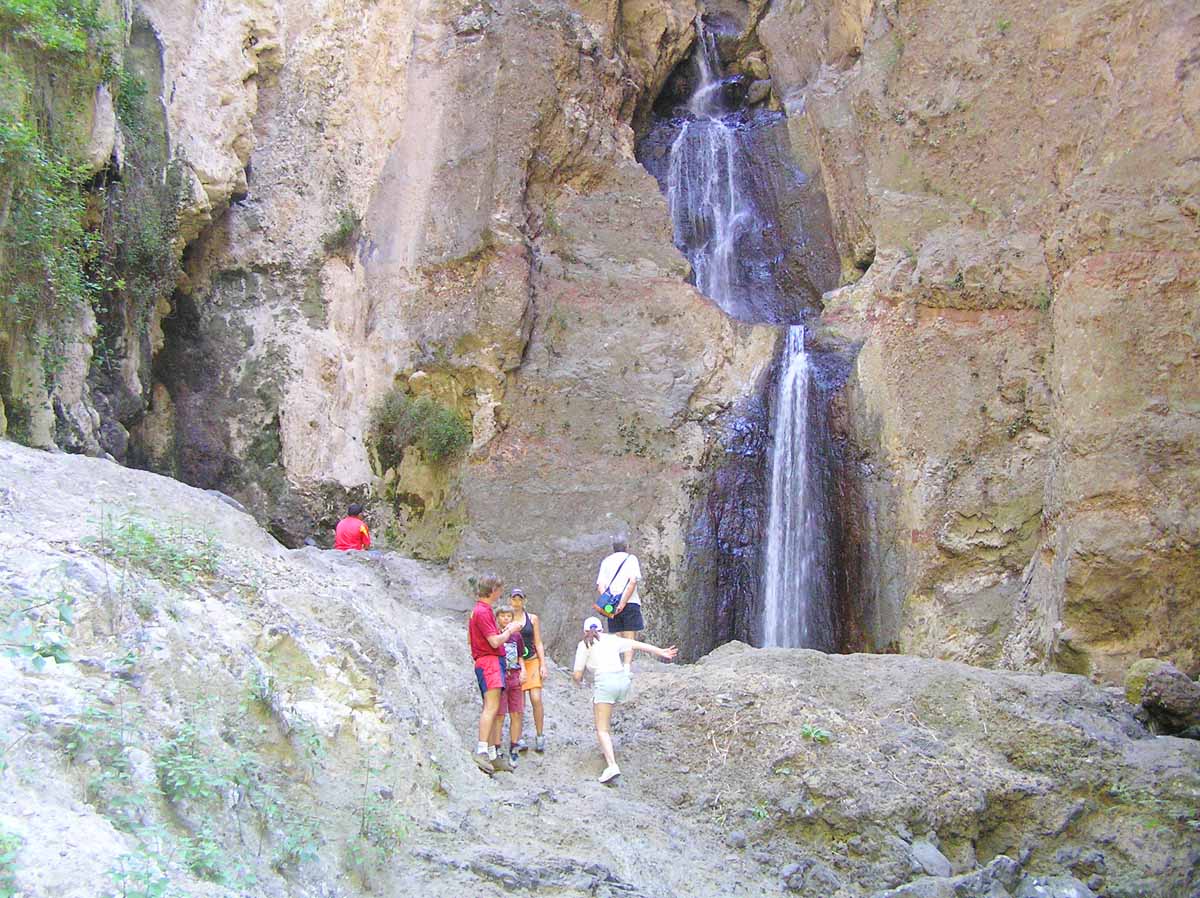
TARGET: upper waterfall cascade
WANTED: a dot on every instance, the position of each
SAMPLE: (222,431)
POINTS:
(712,186)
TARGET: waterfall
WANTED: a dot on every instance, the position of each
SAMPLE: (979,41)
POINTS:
(796,604)
(711,208)
(725,182)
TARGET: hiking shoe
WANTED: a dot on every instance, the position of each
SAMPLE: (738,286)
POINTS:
(483,762)
(502,763)
(514,757)
(521,745)
(610,773)
(540,744)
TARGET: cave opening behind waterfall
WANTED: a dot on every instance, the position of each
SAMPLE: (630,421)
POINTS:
(766,561)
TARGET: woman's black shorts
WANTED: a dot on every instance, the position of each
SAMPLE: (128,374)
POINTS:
(629,619)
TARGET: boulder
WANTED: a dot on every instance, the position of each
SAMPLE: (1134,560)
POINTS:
(810,878)
(757,92)
(1052,887)
(930,859)
(1135,677)
(1172,699)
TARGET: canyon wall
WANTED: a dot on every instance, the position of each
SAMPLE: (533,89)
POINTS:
(1018,192)
(440,201)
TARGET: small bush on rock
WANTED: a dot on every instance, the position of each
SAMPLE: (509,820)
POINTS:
(399,421)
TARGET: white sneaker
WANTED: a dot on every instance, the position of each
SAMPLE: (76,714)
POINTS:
(611,772)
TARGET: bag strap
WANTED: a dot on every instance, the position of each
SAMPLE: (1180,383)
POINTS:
(617,571)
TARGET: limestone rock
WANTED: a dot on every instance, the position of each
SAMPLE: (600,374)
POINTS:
(1052,887)
(932,861)
(310,668)
(758,91)
(1136,675)
(1173,699)
(810,879)
(103,140)
(1077,306)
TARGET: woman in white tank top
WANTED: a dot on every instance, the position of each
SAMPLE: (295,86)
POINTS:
(600,653)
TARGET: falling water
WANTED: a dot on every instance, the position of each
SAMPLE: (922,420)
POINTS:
(723,194)
(796,604)
(710,206)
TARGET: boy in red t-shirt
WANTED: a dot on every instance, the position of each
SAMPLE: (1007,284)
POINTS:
(351,532)
(487,640)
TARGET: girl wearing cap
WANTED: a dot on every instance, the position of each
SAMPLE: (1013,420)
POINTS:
(600,653)
(533,663)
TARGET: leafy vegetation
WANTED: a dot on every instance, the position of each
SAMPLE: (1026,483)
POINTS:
(174,555)
(814,733)
(72,238)
(37,630)
(106,736)
(10,849)
(381,827)
(186,771)
(343,230)
(399,421)
(61,50)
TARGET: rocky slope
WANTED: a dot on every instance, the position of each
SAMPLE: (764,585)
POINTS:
(239,717)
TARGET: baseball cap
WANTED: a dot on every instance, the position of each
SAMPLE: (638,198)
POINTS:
(592,623)
(518,592)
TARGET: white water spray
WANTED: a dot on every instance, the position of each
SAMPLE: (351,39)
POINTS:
(796,608)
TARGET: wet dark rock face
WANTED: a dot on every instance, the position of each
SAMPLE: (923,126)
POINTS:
(841,528)
(781,266)
(726,536)
(724,556)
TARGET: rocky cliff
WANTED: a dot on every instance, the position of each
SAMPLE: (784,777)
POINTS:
(1018,192)
(440,201)
(192,709)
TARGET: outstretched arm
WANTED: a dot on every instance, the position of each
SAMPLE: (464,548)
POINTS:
(666,654)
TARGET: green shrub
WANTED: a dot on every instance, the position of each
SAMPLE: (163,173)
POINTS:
(814,733)
(399,421)
(106,736)
(185,769)
(10,847)
(37,630)
(343,230)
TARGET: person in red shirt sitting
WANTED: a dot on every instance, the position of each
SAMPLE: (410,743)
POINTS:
(486,640)
(351,532)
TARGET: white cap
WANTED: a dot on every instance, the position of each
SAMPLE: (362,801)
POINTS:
(592,623)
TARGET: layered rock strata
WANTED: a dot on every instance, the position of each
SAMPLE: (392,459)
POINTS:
(1020,193)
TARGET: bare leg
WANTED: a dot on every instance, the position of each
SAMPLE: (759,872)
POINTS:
(514,728)
(488,716)
(602,711)
(497,724)
(535,699)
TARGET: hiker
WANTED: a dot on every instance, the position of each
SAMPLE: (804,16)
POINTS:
(351,532)
(487,640)
(512,700)
(533,661)
(617,584)
(601,654)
